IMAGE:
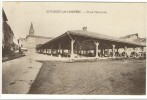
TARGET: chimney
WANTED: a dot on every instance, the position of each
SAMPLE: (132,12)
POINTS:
(84,28)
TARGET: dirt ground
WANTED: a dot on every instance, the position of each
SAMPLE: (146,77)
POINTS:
(102,77)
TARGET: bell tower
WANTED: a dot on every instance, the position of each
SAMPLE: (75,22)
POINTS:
(31,31)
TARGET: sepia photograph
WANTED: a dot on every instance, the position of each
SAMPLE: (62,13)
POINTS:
(73,48)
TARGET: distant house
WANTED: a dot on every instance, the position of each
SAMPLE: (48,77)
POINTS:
(142,40)
(7,36)
(136,39)
(131,37)
(22,42)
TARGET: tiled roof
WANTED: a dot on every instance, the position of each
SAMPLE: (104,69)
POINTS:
(36,36)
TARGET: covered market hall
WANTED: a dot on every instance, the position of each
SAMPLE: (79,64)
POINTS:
(82,43)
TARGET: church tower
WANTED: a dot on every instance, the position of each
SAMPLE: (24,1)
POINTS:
(31,31)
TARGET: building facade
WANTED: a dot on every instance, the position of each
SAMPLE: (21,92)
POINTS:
(7,36)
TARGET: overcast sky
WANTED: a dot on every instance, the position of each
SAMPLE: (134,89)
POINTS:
(116,19)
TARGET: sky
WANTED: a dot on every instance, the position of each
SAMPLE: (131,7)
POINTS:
(113,19)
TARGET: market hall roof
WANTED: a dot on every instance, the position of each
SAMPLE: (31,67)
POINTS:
(86,35)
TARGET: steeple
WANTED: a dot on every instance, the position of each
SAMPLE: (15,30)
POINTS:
(31,31)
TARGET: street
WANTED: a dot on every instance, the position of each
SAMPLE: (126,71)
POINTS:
(18,75)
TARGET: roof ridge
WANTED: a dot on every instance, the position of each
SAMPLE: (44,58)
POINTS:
(95,33)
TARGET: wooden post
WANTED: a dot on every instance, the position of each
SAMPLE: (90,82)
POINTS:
(117,52)
(51,51)
(125,50)
(113,50)
(96,54)
(103,52)
(142,52)
(59,50)
(134,53)
(46,51)
(72,49)
(108,52)
(62,51)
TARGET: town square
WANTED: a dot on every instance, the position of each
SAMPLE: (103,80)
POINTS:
(46,52)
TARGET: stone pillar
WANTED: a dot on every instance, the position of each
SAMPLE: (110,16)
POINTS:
(113,50)
(72,49)
(96,52)
(125,50)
